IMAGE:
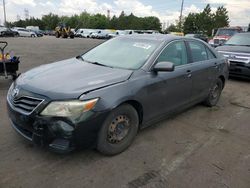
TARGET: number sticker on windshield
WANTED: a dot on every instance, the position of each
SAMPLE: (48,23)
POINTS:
(142,45)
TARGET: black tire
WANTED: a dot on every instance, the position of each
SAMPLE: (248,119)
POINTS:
(129,120)
(57,34)
(32,35)
(64,35)
(72,36)
(214,94)
(14,76)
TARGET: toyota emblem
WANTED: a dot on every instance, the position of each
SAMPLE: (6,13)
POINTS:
(15,92)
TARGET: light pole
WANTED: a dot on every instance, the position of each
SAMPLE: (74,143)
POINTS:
(182,3)
(4,13)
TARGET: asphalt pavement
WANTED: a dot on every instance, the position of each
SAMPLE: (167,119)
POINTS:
(199,148)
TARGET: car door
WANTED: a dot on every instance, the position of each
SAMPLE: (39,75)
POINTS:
(202,69)
(82,33)
(171,90)
(21,33)
(27,33)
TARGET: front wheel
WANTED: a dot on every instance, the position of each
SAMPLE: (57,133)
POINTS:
(118,131)
(57,34)
(214,94)
(14,76)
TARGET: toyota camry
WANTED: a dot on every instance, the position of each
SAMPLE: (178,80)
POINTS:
(103,97)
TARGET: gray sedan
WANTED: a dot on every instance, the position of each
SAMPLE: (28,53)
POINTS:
(103,97)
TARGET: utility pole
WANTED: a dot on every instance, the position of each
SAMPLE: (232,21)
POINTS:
(4,13)
(182,3)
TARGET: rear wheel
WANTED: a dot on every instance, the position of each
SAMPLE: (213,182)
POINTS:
(118,130)
(32,35)
(214,94)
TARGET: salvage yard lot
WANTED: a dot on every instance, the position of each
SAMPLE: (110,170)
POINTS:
(202,147)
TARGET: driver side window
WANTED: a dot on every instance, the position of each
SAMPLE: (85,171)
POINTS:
(175,53)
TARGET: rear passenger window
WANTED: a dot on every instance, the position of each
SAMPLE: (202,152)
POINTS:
(210,54)
(198,51)
(175,53)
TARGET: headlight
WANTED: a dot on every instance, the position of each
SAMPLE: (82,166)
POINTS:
(68,108)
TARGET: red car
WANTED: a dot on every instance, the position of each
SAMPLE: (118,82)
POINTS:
(223,34)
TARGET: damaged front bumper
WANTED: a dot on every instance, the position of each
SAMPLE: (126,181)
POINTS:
(60,135)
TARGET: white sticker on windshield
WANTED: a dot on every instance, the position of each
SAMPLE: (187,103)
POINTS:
(142,45)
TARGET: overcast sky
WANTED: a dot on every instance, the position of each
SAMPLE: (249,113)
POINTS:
(167,10)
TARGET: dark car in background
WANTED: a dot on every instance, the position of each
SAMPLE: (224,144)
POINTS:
(198,36)
(37,32)
(7,32)
(237,51)
(49,32)
(103,97)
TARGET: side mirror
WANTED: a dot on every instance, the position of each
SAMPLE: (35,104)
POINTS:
(164,66)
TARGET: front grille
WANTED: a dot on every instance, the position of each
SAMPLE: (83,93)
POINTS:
(216,41)
(219,41)
(25,104)
(237,63)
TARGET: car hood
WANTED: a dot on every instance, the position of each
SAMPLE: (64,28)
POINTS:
(70,78)
(237,49)
(222,37)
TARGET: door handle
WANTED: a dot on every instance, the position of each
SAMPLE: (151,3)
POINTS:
(189,75)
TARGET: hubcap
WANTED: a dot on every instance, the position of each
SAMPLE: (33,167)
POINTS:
(215,91)
(118,129)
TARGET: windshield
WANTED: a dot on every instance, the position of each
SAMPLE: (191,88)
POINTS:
(227,32)
(88,32)
(121,32)
(189,35)
(125,53)
(128,32)
(239,40)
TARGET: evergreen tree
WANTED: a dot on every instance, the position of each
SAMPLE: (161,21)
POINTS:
(221,18)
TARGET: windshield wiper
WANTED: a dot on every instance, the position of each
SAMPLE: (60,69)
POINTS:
(237,45)
(230,44)
(80,57)
(96,63)
(248,45)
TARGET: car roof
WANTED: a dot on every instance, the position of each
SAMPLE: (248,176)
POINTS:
(157,37)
